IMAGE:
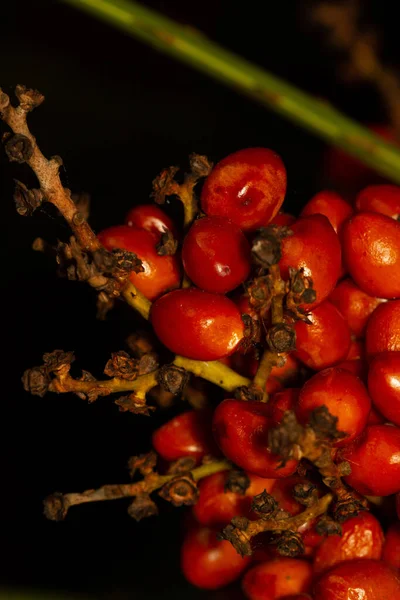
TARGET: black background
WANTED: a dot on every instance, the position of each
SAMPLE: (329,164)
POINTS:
(118,112)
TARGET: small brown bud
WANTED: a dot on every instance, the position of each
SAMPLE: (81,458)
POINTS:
(237,482)
(200,166)
(325,424)
(147,363)
(164,185)
(344,468)
(55,507)
(238,538)
(264,505)
(144,463)
(134,404)
(26,201)
(281,439)
(181,490)
(122,366)
(36,381)
(327,526)
(346,509)
(172,378)
(241,523)
(142,507)
(281,338)
(182,465)
(249,393)
(168,245)
(305,493)
(289,543)
(19,148)
(58,359)
(251,334)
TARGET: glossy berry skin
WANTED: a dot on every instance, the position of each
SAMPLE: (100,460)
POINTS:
(281,402)
(356,361)
(277,578)
(361,579)
(151,218)
(362,537)
(216,506)
(315,247)
(343,394)
(398,505)
(355,305)
(384,385)
(383,199)
(161,273)
(371,251)
(208,563)
(216,255)
(391,548)
(241,431)
(188,434)
(283,219)
(383,329)
(330,204)
(197,324)
(375,461)
(375,418)
(247,187)
(312,347)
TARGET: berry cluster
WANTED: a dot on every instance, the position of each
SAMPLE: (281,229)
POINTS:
(289,458)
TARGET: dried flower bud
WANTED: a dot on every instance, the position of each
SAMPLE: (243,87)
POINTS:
(165,185)
(238,538)
(134,404)
(266,249)
(200,166)
(58,359)
(305,493)
(147,363)
(168,245)
(36,381)
(182,465)
(121,365)
(324,424)
(142,507)
(237,482)
(55,507)
(26,201)
(289,543)
(144,463)
(346,509)
(264,505)
(251,334)
(249,392)
(241,523)
(172,378)
(123,260)
(281,338)
(282,438)
(19,148)
(180,491)
(344,468)
(140,343)
(327,526)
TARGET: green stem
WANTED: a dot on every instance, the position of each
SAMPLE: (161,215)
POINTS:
(213,371)
(196,50)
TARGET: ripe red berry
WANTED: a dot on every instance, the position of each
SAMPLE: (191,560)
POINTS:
(384,199)
(375,461)
(362,537)
(281,377)
(241,431)
(361,579)
(311,339)
(398,505)
(188,434)
(196,324)
(151,218)
(283,219)
(355,305)
(314,247)
(356,361)
(375,418)
(281,402)
(247,187)
(209,563)
(277,578)
(384,384)
(343,394)
(217,506)
(383,329)
(371,250)
(391,548)
(216,255)
(330,204)
(160,274)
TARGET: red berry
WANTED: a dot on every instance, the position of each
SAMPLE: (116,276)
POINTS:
(188,434)
(297,597)
(281,377)
(196,324)
(314,247)
(384,199)
(384,384)
(371,250)
(398,505)
(160,274)
(362,537)
(345,397)
(217,506)
(355,305)
(208,563)
(241,431)
(281,402)
(311,339)
(283,219)
(151,218)
(391,548)
(330,204)
(355,361)
(375,418)
(216,255)
(277,578)
(375,461)
(247,187)
(361,579)
(383,329)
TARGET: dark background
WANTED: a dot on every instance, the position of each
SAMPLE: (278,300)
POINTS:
(118,112)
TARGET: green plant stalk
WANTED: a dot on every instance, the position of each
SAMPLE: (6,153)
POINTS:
(195,49)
